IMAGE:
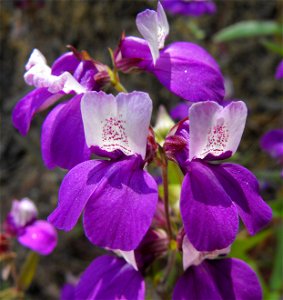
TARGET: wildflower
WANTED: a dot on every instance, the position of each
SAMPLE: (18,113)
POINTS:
(118,197)
(206,277)
(194,8)
(213,195)
(69,75)
(110,277)
(37,235)
(185,69)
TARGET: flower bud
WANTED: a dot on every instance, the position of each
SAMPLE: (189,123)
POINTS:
(23,212)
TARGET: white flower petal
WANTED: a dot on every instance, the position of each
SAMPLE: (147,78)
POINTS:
(36,58)
(214,129)
(39,75)
(193,257)
(154,27)
(23,211)
(119,123)
(129,257)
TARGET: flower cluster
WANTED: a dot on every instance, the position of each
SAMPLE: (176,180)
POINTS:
(124,210)
(37,235)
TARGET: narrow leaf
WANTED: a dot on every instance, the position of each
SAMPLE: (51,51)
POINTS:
(276,281)
(273,47)
(28,271)
(247,29)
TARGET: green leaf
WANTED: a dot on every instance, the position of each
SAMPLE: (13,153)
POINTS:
(28,271)
(273,47)
(175,175)
(276,281)
(245,243)
(198,33)
(277,208)
(248,29)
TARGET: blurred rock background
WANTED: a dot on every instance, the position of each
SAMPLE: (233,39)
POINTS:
(50,25)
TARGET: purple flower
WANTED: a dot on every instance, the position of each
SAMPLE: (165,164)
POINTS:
(118,197)
(70,75)
(272,143)
(228,278)
(206,277)
(213,195)
(194,8)
(279,71)
(185,69)
(110,277)
(37,235)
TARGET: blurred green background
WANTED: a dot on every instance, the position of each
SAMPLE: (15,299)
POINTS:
(247,63)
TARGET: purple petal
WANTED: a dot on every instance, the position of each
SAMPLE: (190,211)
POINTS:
(62,140)
(75,191)
(180,111)
(218,280)
(133,52)
(188,71)
(209,216)
(243,188)
(197,284)
(32,103)
(40,237)
(110,278)
(272,142)
(279,71)
(119,213)
(85,73)
(189,8)
(68,292)
(67,62)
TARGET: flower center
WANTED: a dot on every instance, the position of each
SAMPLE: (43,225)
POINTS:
(114,135)
(217,139)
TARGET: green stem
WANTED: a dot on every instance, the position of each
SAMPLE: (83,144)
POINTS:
(166,195)
(119,87)
(115,76)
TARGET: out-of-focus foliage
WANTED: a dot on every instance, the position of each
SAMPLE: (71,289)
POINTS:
(248,29)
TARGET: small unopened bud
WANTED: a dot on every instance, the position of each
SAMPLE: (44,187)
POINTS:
(23,212)
(154,245)
(151,146)
(125,64)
